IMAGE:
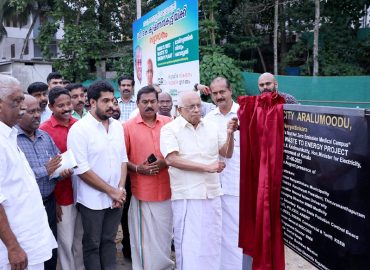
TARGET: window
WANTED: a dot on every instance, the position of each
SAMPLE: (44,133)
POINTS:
(12,51)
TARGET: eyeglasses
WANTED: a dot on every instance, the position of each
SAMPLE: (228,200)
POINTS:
(263,84)
(192,107)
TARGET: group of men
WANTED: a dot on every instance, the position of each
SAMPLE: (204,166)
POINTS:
(184,175)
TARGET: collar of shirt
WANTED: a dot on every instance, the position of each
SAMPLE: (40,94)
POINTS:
(54,122)
(7,131)
(139,119)
(94,121)
(77,116)
(132,100)
(234,109)
(185,123)
(38,133)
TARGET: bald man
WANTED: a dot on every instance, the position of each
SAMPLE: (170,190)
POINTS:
(26,240)
(42,155)
(268,83)
(191,147)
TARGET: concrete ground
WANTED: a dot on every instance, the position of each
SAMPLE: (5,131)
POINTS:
(292,260)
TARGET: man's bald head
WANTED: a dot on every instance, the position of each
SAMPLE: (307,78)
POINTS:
(190,107)
(30,121)
(29,99)
(267,83)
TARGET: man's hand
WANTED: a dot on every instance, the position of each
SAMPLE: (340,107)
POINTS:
(66,173)
(203,89)
(232,125)
(217,166)
(59,212)
(17,258)
(53,164)
(152,168)
(117,195)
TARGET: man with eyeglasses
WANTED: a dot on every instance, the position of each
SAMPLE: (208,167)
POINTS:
(191,147)
(268,83)
(150,212)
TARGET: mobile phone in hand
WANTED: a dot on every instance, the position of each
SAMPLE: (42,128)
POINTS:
(152,158)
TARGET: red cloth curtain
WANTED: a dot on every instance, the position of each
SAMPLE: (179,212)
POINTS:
(261,163)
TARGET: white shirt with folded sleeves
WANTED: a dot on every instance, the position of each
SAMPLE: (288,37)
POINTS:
(21,199)
(200,144)
(230,176)
(100,151)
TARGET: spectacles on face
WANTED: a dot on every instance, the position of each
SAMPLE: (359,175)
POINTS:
(263,84)
(192,107)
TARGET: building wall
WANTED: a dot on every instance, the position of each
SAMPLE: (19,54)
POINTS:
(16,36)
(27,72)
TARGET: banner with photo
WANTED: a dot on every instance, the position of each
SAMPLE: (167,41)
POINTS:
(166,47)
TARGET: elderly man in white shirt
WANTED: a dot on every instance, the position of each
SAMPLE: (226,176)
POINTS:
(231,254)
(191,147)
(26,240)
(101,173)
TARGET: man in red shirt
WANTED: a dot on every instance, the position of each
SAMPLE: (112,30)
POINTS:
(150,212)
(69,227)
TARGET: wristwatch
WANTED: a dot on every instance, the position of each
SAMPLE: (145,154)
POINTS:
(196,87)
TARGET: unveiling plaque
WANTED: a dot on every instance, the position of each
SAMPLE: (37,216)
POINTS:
(325,194)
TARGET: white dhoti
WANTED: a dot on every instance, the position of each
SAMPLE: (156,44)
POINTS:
(197,230)
(70,232)
(150,227)
(231,254)
(39,266)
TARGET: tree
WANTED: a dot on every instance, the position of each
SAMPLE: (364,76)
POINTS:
(316,39)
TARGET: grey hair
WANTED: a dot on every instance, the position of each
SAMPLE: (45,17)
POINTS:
(7,84)
(183,96)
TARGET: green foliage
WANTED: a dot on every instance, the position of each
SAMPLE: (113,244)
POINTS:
(82,43)
(45,38)
(124,63)
(217,64)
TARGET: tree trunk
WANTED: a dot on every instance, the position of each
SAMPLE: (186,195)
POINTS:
(276,25)
(28,34)
(283,43)
(138,9)
(212,19)
(316,39)
(259,51)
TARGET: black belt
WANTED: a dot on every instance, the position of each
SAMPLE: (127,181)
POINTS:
(48,198)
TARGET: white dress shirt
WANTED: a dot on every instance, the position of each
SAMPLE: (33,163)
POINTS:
(100,151)
(46,114)
(230,176)
(21,199)
(199,145)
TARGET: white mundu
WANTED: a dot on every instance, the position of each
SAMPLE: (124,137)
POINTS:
(196,202)
(21,199)
(231,254)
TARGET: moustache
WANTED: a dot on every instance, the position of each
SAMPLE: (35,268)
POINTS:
(221,99)
(126,91)
(69,111)
(149,110)
(81,103)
